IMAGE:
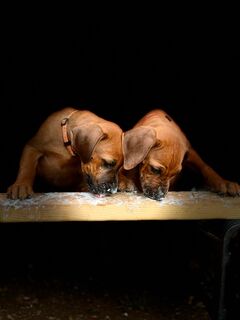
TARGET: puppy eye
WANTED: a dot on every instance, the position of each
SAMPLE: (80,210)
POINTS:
(109,163)
(156,170)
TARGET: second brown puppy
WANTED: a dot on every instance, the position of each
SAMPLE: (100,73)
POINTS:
(74,150)
(155,151)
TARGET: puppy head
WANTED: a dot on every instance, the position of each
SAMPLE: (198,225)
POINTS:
(99,147)
(159,159)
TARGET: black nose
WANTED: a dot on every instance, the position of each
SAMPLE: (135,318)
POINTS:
(158,194)
(104,188)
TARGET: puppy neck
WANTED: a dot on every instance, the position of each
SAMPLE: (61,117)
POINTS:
(66,140)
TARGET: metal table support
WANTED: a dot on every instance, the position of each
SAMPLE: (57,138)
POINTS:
(219,263)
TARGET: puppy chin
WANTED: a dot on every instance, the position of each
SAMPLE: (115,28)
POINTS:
(158,194)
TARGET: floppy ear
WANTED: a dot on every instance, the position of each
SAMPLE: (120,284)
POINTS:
(137,142)
(85,138)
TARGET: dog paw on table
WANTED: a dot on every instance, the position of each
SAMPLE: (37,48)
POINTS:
(225,188)
(19,191)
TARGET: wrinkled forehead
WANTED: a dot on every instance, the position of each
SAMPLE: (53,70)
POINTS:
(169,157)
(110,148)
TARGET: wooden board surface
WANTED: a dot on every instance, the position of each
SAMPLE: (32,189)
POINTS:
(121,206)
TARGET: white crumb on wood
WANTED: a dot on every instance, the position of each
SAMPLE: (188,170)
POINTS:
(86,198)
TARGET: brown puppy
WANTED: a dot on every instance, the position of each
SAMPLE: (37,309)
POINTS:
(155,151)
(72,150)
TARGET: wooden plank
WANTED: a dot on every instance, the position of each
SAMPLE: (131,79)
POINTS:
(121,206)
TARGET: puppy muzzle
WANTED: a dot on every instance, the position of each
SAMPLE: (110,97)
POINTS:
(158,194)
(102,188)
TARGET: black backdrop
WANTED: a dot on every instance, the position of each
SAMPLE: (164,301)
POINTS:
(120,70)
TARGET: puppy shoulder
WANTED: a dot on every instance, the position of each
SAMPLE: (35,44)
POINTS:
(50,129)
(65,112)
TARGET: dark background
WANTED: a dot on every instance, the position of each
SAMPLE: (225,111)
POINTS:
(121,68)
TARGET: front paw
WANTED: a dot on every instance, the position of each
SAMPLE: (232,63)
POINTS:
(19,191)
(227,188)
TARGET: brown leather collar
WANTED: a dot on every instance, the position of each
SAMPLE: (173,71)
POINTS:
(66,140)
